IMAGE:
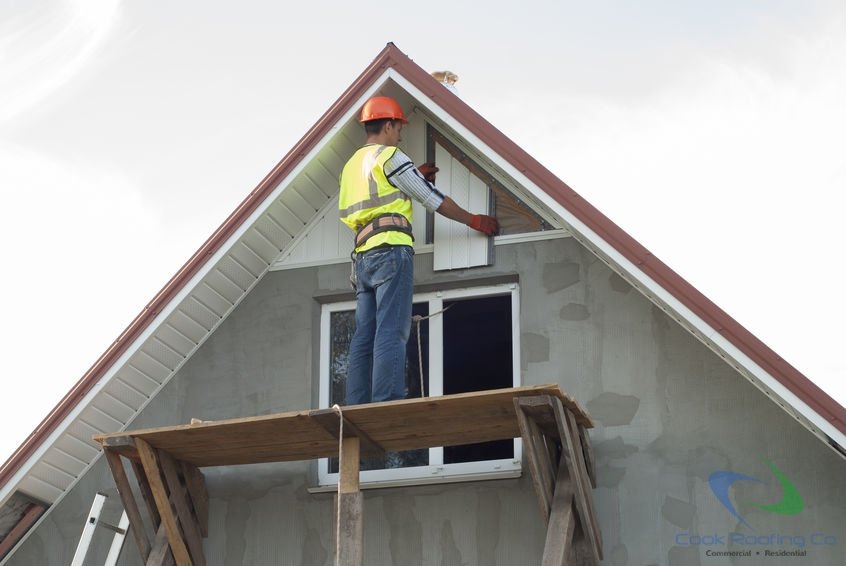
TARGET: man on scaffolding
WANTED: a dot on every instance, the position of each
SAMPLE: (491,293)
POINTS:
(377,185)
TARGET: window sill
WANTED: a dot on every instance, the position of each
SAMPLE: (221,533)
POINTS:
(428,475)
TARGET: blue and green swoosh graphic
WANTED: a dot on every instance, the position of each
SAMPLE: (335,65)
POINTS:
(791,502)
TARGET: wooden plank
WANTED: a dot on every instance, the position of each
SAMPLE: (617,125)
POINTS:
(580,485)
(539,409)
(348,481)
(331,421)
(350,547)
(580,551)
(562,521)
(160,555)
(350,516)
(146,493)
(130,505)
(449,420)
(153,474)
(181,502)
(196,485)
(537,460)
(587,449)
(583,477)
(32,513)
(122,444)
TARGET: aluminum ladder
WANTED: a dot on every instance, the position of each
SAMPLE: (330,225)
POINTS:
(91,523)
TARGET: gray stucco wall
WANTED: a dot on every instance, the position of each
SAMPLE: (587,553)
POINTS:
(669,414)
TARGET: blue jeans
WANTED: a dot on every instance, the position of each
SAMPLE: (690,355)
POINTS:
(384,293)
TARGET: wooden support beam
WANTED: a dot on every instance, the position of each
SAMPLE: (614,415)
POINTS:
(580,551)
(130,505)
(562,521)
(32,513)
(331,421)
(573,457)
(581,460)
(146,493)
(160,555)
(181,502)
(123,445)
(196,485)
(539,409)
(587,449)
(537,458)
(169,520)
(350,533)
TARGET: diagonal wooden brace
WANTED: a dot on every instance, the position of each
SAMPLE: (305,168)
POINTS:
(545,423)
(133,513)
(154,474)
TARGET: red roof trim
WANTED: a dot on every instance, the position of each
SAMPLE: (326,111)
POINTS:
(759,352)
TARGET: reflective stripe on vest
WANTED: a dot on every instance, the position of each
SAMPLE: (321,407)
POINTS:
(366,193)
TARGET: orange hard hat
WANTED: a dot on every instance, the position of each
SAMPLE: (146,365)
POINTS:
(381,107)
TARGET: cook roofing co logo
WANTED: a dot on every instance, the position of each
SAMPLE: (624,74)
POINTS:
(791,502)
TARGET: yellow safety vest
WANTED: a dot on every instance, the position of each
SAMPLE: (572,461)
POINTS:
(366,194)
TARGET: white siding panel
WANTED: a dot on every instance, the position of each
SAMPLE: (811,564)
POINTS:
(293,199)
(62,460)
(76,448)
(261,246)
(297,255)
(52,475)
(331,230)
(149,367)
(477,202)
(114,407)
(456,245)
(127,393)
(162,354)
(137,379)
(418,225)
(99,420)
(199,311)
(39,489)
(175,339)
(236,273)
(327,240)
(326,183)
(84,432)
(313,241)
(225,287)
(247,257)
(280,224)
(212,299)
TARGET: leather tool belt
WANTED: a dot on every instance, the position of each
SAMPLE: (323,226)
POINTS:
(383,223)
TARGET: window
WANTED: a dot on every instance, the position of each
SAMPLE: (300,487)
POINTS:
(469,343)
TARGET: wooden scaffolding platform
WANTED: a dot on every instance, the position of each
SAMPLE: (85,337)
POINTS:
(166,461)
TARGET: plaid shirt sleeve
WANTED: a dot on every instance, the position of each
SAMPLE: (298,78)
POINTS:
(402,174)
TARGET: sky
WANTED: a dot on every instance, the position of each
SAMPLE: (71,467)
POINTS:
(712,132)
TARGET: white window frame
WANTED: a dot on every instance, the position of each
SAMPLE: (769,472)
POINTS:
(436,471)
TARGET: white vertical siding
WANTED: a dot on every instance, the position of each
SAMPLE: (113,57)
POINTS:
(456,245)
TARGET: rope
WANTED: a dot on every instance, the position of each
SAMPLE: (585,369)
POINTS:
(337,408)
(418,319)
